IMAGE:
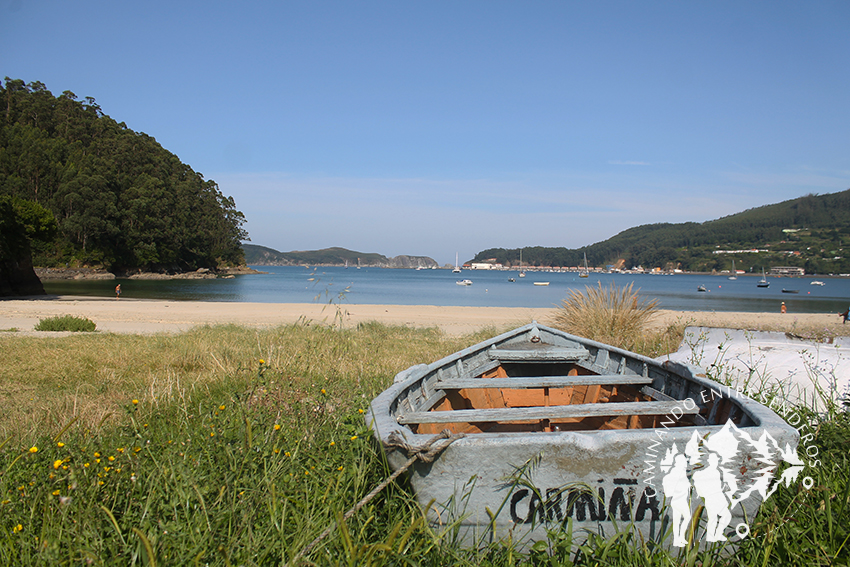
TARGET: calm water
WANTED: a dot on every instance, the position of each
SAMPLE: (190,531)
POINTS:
(489,289)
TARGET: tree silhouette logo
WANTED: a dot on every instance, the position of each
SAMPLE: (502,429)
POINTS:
(709,468)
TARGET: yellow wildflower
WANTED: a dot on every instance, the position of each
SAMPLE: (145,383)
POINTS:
(60,444)
(262,361)
(56,493)
(18,528)
(353,437)
(333,443)
(86,465)
(111,458)
(135,402)
(361,410)
(57,463)
(287,453)
(221,407)
(324,391)
(339,468)
(96,454)
(277,427)
(33,449)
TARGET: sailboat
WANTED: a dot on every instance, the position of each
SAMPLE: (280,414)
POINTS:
(763,281)
(584,274)
(734,275)
(521,273)
(457,268)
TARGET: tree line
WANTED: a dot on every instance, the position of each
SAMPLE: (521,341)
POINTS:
(117,197)
(821,233)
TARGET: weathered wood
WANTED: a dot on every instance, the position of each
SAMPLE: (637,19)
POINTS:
(543,354)
(542,381)
(551,412)
(654,394)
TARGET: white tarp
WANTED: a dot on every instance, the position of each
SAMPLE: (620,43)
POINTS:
(806,371)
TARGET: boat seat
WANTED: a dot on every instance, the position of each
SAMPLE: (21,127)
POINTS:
(543,382)
(612,409)
(539,354)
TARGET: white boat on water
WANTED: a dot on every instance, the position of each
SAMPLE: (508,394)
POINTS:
(464,282)
(585,273)
(817,282)
(541,283)
(734,275)
(763,281)
(457,268)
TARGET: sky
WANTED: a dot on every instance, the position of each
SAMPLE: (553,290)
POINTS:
(435,128)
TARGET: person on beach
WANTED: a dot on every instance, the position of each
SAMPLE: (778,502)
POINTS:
(117,291)
(782,308)
(846,316)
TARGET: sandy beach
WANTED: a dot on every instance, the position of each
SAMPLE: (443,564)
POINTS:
(153,316)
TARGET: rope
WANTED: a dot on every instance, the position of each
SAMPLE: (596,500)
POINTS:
(426,453)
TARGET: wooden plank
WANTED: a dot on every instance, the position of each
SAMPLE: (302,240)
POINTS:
(551,412)
(654,394)
(532,355)
(521,382)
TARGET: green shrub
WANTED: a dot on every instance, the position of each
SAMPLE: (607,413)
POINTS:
(66,323)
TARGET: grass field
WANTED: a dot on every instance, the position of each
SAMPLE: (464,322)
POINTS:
(230,446)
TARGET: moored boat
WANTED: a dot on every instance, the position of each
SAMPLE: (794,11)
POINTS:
(567,433)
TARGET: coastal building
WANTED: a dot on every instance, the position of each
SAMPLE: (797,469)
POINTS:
(787,271)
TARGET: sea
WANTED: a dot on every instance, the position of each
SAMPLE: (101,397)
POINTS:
(489,288)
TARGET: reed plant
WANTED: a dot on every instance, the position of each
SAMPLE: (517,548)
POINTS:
(234,446)
(617,316)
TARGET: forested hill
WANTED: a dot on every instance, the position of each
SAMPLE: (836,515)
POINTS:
(119,198)
(812,232)
(264,256)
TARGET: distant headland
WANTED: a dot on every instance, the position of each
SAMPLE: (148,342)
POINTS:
(263,256)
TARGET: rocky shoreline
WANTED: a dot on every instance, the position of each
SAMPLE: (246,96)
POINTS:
(102,274)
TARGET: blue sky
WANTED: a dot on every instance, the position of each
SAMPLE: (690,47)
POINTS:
(428,128)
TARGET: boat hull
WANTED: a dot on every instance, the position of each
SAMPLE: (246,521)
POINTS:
(498,484)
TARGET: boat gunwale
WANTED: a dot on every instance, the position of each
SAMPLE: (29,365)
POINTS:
(383,422)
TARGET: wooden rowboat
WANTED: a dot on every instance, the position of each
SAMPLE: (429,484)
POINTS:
(559,431)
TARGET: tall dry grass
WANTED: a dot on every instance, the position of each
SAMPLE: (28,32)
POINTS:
(617,316)
(45,382)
